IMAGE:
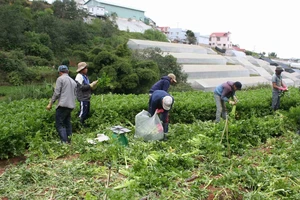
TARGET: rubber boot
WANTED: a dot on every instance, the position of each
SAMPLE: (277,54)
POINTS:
(166,127)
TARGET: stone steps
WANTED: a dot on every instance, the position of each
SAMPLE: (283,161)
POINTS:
(214,71)
(202,59)
(166,46)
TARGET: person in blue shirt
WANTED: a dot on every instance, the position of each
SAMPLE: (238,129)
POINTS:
(162,101)
(164,83)
(222,94)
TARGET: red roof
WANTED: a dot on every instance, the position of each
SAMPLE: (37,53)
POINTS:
(224,34)
(238,49)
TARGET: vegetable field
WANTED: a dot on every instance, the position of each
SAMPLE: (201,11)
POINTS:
(257,158)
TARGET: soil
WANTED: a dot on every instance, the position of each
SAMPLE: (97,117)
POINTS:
(12,161)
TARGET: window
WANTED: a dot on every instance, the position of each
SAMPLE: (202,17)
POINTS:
(224,45)
(209,43)
(228,39)
(218,38)
(209,39)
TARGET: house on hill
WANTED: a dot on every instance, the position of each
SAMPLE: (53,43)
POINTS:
(220,40)
(121,11)
(127,19)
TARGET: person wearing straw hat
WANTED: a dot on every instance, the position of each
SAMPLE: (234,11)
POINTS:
(164,83)
(278,88)
(65,94)
(161,102)
(84,91)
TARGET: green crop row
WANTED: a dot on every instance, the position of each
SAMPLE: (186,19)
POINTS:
(21,120)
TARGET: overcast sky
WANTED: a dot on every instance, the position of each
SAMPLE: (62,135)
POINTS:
(259,25)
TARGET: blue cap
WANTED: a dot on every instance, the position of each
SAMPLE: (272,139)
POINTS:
(63,68)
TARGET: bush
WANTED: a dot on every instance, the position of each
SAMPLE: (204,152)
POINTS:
(36,61)
(15,78)
(80,56)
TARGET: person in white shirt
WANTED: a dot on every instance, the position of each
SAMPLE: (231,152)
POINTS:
(84,91)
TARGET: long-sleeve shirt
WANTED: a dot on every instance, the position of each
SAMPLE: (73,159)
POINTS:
(65,91)
(225,90)
(156,103)
(162,84)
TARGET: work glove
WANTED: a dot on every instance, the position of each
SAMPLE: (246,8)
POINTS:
(49,106)
(159,111)
(231,102)
(93,85)
(235,99)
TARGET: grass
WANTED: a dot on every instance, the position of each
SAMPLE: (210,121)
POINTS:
(269,171)
(10,93)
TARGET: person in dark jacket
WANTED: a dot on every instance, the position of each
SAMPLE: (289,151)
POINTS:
(84,91)
(222,93)
(162,101)
(164,83)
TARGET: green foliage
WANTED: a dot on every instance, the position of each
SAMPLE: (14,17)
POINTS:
(35,49)
(272,55)
(44,34)
(15,78)
(192,163)
(191,37)
(108,28)
(80,56)
(166,64)
(67,9)
(35,61)
(155,35)
(104,58)
(123,50)
(14,21)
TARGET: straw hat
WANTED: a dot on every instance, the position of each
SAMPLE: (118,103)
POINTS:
(81,66)
(173,77)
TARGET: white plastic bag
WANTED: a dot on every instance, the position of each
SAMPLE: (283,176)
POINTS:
(147,127)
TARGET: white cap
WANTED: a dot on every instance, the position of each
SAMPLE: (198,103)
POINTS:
(167,102)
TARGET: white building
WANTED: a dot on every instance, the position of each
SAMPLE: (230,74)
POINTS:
(220,40)
(179,35)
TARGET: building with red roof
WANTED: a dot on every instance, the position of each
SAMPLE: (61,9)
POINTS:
(221,40)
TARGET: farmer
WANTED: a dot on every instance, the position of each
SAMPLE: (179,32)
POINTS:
(84,91)
(222,93)
(278,88)
(164,83)
(65,93)
(161,101)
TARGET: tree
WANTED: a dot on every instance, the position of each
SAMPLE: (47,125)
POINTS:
(190,36)
(67,9)
(15,20)
(155,35)
(272,55)
(166,64)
